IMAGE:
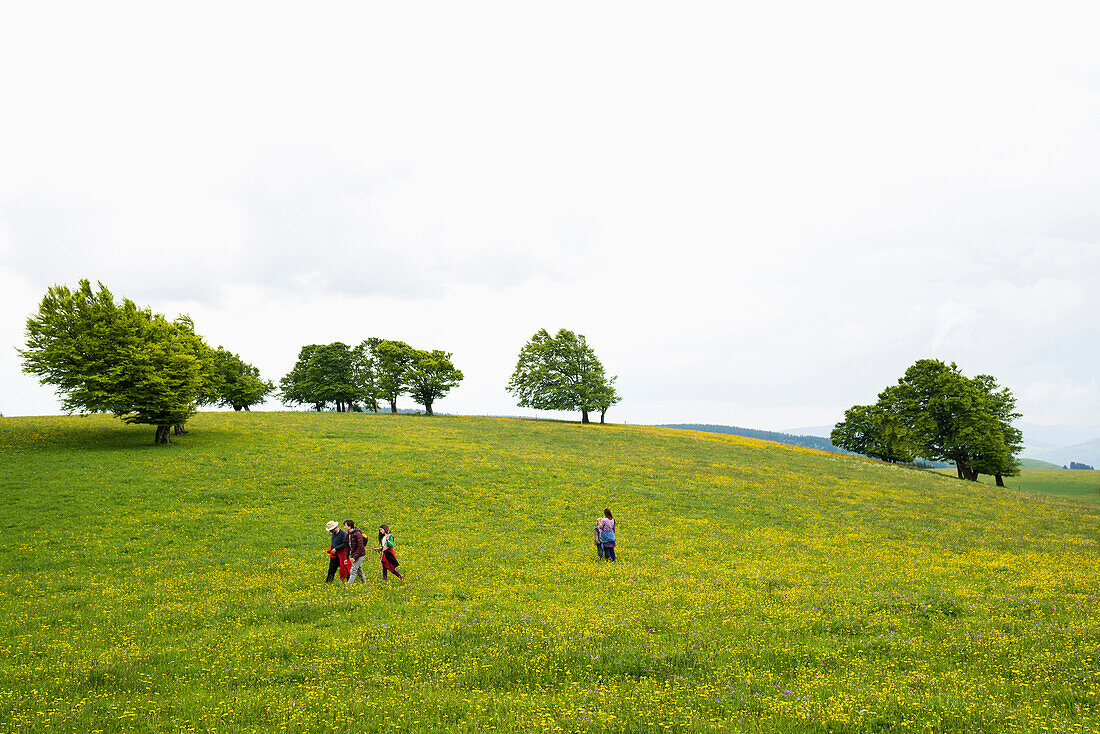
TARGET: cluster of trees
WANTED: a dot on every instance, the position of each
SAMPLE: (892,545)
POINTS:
(108,357)
(357,378)
(935,412)
(1078,465)
(562,372)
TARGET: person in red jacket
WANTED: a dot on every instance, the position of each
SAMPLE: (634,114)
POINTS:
(357,549)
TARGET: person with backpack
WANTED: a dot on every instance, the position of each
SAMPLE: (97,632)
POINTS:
(337,551)
(606,529)
(385,547)
(357,549)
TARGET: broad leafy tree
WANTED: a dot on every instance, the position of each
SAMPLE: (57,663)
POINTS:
(430,376)
(236,384)
(392,361)
(562,372)
(999,452)
(946,416)
(868,430)
(103,356)
(606,396)
(328,374)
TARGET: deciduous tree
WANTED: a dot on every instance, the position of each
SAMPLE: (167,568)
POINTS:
(117,358)
(392,361)
(430,376)
(868,430)
(328,374)
(945,416)
(561,373)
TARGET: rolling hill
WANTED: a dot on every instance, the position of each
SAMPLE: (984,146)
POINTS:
(759,587)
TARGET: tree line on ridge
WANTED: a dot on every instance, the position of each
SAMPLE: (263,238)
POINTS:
(108,357)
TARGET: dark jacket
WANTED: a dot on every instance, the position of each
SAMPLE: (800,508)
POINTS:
(339,540)
(357,543)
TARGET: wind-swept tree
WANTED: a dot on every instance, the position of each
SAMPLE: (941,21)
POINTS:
(430,376)
(561,373)
(118,358)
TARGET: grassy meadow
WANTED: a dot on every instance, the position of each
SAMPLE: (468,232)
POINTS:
(1078,484)
(759,587)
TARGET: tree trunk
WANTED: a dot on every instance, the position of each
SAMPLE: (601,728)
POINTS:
(1000,480)
(602,414)
(162,434)
(237,407)
(179,429)
(584,415)
(246,409)
(393,405)
(428,407)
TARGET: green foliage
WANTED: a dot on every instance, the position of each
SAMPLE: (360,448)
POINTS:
(392,361)
(562,373)
(868,430)
(118,358)
(235,383)
(431,375)
(937,413)
(329,374)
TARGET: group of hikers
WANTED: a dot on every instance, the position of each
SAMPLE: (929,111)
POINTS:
(349,547)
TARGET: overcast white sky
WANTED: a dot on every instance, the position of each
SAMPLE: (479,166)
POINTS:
(758,213)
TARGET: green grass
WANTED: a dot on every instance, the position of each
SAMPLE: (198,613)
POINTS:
(759,588)
(1038,464)
(1075,484)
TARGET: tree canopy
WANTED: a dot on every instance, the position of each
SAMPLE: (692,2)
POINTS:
(235,383)
(392,360)
(867,430)
(935,412)
(347,378)
(118,358)
(329,374)
(562,372)
(430,376)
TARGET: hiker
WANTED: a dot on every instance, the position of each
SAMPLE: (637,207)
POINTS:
(606,529)
(599,543)
(357,549)
(385,547)
(337,551)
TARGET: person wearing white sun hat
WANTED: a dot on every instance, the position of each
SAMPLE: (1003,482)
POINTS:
(337,549)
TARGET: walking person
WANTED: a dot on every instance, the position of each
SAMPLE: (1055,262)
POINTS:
(385,547)
(357,549)
(337,550)
(606,529)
